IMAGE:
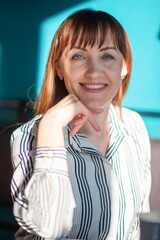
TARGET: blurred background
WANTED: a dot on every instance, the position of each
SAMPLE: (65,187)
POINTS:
(26,32)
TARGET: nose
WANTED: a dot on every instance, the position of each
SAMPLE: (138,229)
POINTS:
(94,69)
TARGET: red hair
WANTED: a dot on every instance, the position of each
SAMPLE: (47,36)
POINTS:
(89,27)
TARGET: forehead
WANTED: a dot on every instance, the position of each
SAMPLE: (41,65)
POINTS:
(98,40)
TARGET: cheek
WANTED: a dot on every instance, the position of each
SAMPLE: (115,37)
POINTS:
(117,72)
(72,76)
(71,73)
(70,84)
(114,74)
(67,83)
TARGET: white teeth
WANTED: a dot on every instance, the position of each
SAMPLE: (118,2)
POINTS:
(94,86)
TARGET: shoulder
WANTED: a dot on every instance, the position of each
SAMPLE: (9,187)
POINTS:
(135,127)
(29,128)
(131,115)
(130,122)
(133,120)
(129,118)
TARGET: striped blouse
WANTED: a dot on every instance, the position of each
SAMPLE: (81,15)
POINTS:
(74,191)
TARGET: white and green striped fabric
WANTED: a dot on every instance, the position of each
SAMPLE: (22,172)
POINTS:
(77,193)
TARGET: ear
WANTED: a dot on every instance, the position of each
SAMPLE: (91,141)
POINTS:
(124,70)
(58,70)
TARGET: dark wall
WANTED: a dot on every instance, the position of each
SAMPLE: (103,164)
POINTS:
(19,25)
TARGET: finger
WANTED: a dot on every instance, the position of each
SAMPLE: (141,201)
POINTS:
(87,116)
(77,125)
(81,119)
(93,123)
(74,130)
(79,122)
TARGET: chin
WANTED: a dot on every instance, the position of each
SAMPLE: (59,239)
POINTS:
(94,108)
(96,104)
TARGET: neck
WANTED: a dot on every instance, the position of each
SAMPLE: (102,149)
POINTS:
(103,121)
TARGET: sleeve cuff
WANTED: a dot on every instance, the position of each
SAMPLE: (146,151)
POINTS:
(53,159)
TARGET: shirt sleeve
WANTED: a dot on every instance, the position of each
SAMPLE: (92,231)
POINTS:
(137,130)
(40,187)
(146,169)
(146,166)
(144,143)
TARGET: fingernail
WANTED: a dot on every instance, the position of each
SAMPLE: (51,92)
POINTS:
(99,129)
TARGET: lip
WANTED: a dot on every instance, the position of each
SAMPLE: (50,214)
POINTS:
(93,87)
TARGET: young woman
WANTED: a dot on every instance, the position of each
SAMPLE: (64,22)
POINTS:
(82,165)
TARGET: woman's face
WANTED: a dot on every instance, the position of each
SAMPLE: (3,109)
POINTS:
(93,74)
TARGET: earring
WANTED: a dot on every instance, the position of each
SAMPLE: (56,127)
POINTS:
(123,76)
(124,72)
(61,78)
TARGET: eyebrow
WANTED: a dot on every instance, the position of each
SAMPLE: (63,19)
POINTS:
(81,48)
(77,47)
(106,48)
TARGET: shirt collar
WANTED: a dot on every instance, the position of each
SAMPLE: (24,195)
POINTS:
(81,143)
(117,131)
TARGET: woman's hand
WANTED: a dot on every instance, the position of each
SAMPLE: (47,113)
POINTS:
(50,131)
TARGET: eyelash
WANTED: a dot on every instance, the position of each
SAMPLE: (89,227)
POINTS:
(77,57)
(108,56)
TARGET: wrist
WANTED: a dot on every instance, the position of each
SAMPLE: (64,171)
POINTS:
(50,135)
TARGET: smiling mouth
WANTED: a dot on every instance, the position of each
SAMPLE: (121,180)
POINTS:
(93,86)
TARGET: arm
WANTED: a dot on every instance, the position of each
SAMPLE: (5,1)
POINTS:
(144,143)
(136,128)
(146,167)
(42,193)
(38,193)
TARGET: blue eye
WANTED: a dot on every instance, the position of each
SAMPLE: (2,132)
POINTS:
(77,57)
(108,56)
